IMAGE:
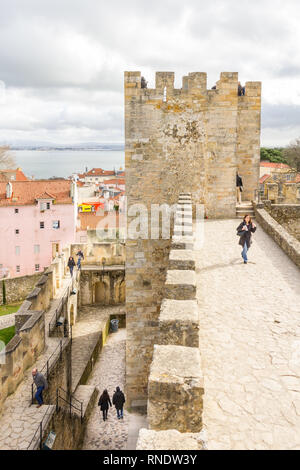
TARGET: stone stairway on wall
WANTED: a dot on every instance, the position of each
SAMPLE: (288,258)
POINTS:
(246,207)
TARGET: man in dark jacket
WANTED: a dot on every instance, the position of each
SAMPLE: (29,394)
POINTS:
(41,385)
(245,230)
(239,187)
(118,401)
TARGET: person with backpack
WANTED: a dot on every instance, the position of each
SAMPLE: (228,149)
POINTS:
(118,401)
(104,403)
(244,231)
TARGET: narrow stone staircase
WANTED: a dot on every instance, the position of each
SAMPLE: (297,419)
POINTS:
(244,208)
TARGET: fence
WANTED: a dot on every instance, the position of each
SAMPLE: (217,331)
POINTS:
(63,300)
(70,403)
(37,440)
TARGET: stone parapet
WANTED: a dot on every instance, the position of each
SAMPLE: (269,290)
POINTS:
(179,323)
(170,440)
(180,284)
(182,259)
(175,399)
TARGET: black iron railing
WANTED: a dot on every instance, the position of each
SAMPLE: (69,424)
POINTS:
(52,360)
(37,440)
(63,300)
(69,402)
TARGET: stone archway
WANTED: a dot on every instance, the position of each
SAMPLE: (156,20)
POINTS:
(119,291)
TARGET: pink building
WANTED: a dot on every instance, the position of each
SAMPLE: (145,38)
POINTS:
(38,218)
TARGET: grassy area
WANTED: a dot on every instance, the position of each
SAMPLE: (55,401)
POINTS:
(6,309)
(7,334)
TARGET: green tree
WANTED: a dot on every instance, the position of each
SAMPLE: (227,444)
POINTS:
(274,155)
(292,154)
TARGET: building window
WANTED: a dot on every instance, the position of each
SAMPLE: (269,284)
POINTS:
(42,224)
(36,249)
(55,224)
(18,269)
(17,249)
(48,205)
(17,231)
(16,211)
(37,267)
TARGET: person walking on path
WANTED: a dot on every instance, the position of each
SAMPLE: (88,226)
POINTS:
(80,257)
(244,231)
(104,403)
(71,264)
(239,188)
(118,401)
(41,385)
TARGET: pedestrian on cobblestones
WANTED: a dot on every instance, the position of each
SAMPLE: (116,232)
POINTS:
(71,264)
(104,403)
(118,401)
(41,385)
(244,231)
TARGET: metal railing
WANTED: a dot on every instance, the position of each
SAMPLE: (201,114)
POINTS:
(63,300)
(37,440)
(47,366)
(71,403)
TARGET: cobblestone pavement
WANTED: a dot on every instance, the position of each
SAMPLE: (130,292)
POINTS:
(19,420)
(108,372)
(85,333)
(249,341)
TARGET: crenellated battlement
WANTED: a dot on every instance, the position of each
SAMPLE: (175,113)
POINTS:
(194,83)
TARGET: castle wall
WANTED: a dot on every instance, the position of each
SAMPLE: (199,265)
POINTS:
(178,140)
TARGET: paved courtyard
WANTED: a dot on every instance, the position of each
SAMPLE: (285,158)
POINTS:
(249,341)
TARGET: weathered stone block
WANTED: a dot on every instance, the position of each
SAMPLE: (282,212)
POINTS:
(170,440)
(179,323)
(180,284)
(182,242)
(182,259)
(175,392)
(183,230)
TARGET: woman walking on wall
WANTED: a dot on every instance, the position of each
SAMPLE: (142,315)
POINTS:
(104,403)
(71,264)
(244,231)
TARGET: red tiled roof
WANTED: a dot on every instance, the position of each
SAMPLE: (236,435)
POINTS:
(18,174)
(263,178)
(273,165)
(115,181)
(26,192)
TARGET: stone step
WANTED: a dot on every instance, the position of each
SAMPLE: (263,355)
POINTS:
(183,242)
(175,389)
(179,323)
(182,259)
(180,284)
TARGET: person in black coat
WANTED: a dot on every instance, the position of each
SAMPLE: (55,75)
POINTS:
(104,403)
(118,401)
(71,264)
(245,230)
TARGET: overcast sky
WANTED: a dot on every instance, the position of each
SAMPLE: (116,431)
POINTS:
(62,61)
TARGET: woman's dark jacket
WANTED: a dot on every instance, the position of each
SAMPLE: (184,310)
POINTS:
(119,400)
(239,181)
(104,402)
(71,262)
(247,235)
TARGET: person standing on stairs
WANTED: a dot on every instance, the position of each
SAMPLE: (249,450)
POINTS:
(41,385)
(104,403)
(239,188)
(244,231)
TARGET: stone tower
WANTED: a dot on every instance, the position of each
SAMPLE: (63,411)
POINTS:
(188,139)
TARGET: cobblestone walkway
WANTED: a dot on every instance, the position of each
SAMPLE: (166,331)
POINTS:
(250,341)
(19,420)
(108,372)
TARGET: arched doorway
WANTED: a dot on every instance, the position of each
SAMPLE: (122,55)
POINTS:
(101,293)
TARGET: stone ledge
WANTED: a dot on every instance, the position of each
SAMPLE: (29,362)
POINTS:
(175,389)
(184,242)
(182,259)
(180,230)
(180,284)
(179,323)
(170,440)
